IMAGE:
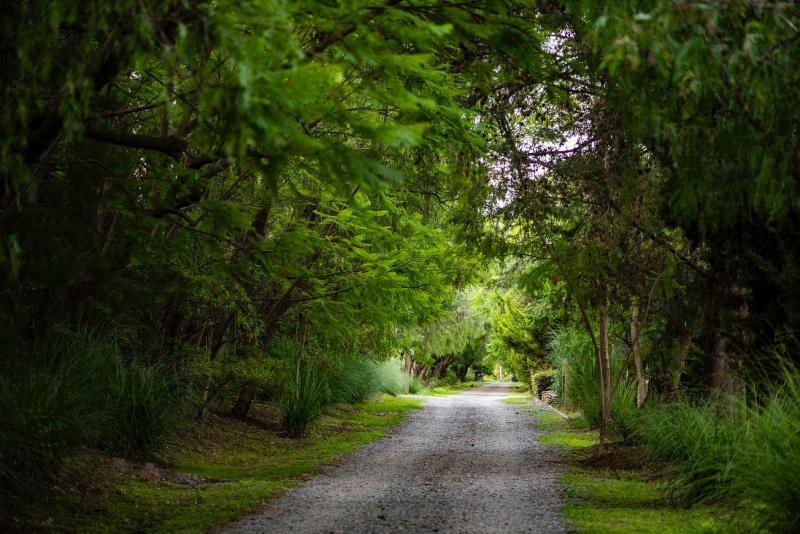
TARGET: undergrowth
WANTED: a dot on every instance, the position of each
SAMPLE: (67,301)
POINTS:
(78,390)
(743,452)
(224,469)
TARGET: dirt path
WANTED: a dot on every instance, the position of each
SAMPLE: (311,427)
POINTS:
(465,463)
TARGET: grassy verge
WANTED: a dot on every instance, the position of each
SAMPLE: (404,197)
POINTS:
(616,492)
(222,470)
(450,389)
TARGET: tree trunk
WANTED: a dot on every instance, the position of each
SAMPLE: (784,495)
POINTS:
(598,352)
(217,343)
(462,373)
(683,350)
(605,375)
(641,382)
(717,356)
(441,366)
(718,376)
(408,363)
(247,395)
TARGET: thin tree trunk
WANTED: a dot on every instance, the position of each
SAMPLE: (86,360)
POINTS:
(686,342)
(717,364)
(604,372)
(641,382)
(218,342)
(301,351)
(600,375)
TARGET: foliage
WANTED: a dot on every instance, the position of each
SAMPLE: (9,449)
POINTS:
(736,451)
(358,378)
(571,349)
(517,330)
(454,341)
(261,460)
(78,390)
(239,187)
(303,403)
(542,381)
(415,386)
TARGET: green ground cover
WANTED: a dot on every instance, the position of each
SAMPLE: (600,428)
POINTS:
(220,470)
(617,492)
(450,389)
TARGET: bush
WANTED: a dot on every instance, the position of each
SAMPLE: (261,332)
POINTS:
(415,385)
(302,406)
(573,348)
(625,415)
(143,407)
(359,378)
(734,451)
(391,378)
(542,381)
(76,389)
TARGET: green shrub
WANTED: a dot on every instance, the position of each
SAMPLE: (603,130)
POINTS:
(542,381)
(77,389)
(144,406)
(358,378)
(574,348)
(354,380)
(415,385)
(735,451)
(390,377)
(302,406)
(625,413)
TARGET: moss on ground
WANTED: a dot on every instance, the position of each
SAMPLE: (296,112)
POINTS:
(604,500)
(223,469)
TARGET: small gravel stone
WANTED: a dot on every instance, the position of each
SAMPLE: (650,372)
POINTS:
(465,463)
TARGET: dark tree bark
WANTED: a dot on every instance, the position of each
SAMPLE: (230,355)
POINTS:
(247,394)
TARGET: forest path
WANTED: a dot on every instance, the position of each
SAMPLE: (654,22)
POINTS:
(464,463)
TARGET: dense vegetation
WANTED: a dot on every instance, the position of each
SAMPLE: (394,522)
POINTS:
(211,204)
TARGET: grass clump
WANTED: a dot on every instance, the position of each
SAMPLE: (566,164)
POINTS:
(573,349)
(743,453)
(302,406)
(415,385)
(358,378)
(77,389)
(604,498)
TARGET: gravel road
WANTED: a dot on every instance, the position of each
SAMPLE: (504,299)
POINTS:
(465,463)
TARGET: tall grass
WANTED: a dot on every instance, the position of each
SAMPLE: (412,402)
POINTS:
(354,380)
(359,378)
(77,389)
(415,385)
(302,406)
(745,453)
(573,348)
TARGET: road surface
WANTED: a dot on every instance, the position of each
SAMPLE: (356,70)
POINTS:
(464,463)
